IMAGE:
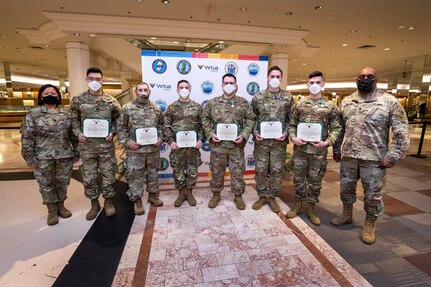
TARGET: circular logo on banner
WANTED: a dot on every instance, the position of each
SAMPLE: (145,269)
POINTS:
(231,68)
(253,69)
(206,145)
(162,104)
(207,87)
(164,147)
(159,66)
(204,103)
(184,67)
(164,164)
(250,161)
(252,88)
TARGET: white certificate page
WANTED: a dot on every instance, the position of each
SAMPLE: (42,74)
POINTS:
(95,128)
(310,132)
(271,129)
(227,132)
(186,139)
(146,136)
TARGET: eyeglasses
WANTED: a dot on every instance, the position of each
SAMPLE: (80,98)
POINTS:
(91,79)
(370,76)
(312,82)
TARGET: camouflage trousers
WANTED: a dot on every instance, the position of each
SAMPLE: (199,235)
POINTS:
(93,165)
(219,158)
(53,177)
(185,163)
(269,167)
(308,171)
(136,166)
(373,180)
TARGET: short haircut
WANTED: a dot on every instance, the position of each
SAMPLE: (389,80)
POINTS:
(42,89)
(140,84)
(316,74)
(228,75)
(275,68)
(183,81)
(94,70)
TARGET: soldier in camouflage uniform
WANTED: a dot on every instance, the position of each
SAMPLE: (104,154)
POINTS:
(272,104)
(49,146)
(141,113)
(184,115)
(367,117)
(310,158)
(228,108)
(97,154)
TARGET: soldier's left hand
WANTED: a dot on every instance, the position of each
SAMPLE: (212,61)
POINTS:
(238,140)
(320,144)
(159,141)
(75,159)
(386,163)
(282,137)
(109,138)
(198,144)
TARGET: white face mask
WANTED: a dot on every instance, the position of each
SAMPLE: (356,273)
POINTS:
(229,89)
(274,83)
(184,93)
(315,89)
(94,86)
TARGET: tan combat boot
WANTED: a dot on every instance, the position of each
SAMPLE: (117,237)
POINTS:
(139,209)
(109,207)
(273,204)
(311,213)
(346,217)
(259,203)
(214,200)
(95,208)
(154,200)
(240,204)
(181,197)
(297,209)
(52,214)
(190,198)
(368,235)
(63,211)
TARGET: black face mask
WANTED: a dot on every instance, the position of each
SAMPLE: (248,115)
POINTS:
(50,100)
(365,85)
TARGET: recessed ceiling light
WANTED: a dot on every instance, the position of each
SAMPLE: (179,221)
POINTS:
(386,49)
(93,35)
(165,1)
(412,28)
(345,45)
(243,9)
(46,45)
(401,27)
(151,41)
(353,31)
(318,7)
(76,34)
(221,42)
(304,64)
(175,42)
(3,35)
(288,13)
(139,1)
(153,38)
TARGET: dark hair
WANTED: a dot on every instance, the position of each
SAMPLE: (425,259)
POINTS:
(275,68)
(228,75)
(141,83)
(183,81)
(43,88)
(316,74)
(94,70)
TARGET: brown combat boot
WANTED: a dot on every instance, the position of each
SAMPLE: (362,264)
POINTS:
(346,217)
(297,209)
(63,211)
(109,207)
(273,204)
(139,209)
(214,200)
(190,198)
(52,214)
(95,208)
(240,204)
(368,235)
(154,200)
(259,203)
(311,213)
(181,197)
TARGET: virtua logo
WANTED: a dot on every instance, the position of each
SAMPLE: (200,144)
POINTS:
(160,86)
(209,68)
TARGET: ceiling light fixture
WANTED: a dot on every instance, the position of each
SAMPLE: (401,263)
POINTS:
(386,49)
(93,35)
(288,13)
(401,27)
(243,9)
(318,7)
(345,45)
(76,34)
(3,35)
(221,42)
(165,1)
(412,28)
(153,38)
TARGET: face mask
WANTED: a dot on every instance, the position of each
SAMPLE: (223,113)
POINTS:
(94,86)
(274,83)
(365,85)
(184,93)
(50,100)
(229,89)
(143,96)
(315,89)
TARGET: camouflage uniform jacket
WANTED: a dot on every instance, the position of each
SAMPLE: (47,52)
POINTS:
(139,115)
(182,117)
(272,107)
(88,106)
(321,111)
(234,110)
(47,135)
(366,124)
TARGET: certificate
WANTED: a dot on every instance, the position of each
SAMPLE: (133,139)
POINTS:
(186,139)
(271,130)
(227,132)
(96,128)
(311,132)
(146,136)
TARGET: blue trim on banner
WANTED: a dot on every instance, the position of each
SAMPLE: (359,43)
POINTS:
(263,58)
(166,54)
(166,175)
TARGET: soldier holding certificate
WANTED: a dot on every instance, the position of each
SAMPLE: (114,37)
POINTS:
(272,108)
(227,121)
(184,134)
(94,118)
(140,130)
(314,125)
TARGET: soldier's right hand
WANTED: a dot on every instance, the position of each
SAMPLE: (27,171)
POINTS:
(133,145)
(259,137)
(81,138)
(298,141)
(174,145)
(337,156)
(215,138)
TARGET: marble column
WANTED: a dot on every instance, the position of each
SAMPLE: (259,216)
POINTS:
(78,61)
(281,60)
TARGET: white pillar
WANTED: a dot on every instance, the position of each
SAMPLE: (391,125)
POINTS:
(281,60)
(78,61)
